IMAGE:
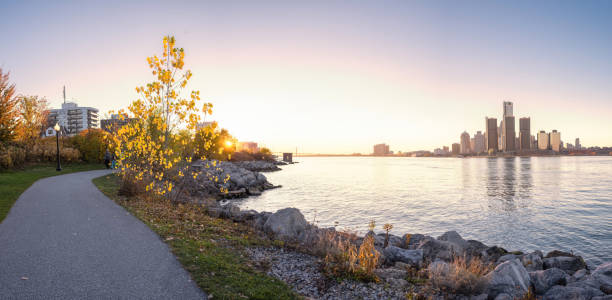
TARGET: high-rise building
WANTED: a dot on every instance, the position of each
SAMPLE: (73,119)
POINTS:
(524,134)
(491,134)
(465,143)
(479,143)
(381,149)
(555,141)
(456,148)
(543,140)
(534,144)
(577,145)
(508,134)
(73,118)
(508,109)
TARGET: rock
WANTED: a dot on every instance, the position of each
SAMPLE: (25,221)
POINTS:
(557,253)
(542,281)
(607,297)
(254,191)
(510,278)
(246,215)
(533,261)
(589,285)
(506,258)
(438,267)
(603,275)
(435,249)
(397,254)
(261,219)
(480,297)
(230,211)
(475,248)
(412,241)
(569,264)
(395,240)
(379,239)
(286,224)
(493,253)
(579,275)
(454,238)
(504,296)
(558,292)
(214,211)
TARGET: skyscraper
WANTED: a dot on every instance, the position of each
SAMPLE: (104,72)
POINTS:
(479,143)
(578,146)
(525,133)
(456,148)
(543,140)
(508,134)
(381,149)
(555,141)
(508,109)
(491,134)
(465,143)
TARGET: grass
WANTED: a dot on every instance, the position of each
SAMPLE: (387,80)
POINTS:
(212,250)
(15,182)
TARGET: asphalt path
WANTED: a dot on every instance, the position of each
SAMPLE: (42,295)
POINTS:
(63,239)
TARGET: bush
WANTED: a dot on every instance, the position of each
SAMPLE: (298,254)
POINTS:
(91,144)
(11,156)
(461,277)
(344,260)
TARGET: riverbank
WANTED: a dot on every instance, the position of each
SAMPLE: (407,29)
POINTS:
(313,261)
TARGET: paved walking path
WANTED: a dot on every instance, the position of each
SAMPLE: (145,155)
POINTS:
(63,239)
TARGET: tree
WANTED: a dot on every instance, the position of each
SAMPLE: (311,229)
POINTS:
(8,109)
(32,118)
(213,143)
(146,148)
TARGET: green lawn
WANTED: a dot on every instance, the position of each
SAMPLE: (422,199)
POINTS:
(211,249)
(15,182)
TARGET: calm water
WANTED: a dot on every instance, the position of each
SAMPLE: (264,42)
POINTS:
(523,204)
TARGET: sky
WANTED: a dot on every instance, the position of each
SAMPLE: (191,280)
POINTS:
(331,76)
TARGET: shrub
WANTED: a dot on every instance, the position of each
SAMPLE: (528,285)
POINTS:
(344,260)
(91,144)
(11,156)
(461,277)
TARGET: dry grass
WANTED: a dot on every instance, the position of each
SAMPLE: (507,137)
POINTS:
(462,276)
(344,260)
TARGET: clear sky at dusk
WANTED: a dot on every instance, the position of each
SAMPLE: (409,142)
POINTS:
(332,76)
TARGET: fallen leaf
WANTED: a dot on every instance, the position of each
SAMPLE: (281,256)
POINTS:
(24,278)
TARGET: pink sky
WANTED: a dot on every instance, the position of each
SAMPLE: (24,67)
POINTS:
(332,77)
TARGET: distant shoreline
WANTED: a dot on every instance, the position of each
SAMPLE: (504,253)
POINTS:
(457,156)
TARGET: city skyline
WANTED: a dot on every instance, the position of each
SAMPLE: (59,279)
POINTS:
(353,76)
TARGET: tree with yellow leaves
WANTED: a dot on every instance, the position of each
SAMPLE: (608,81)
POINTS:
(149,149)
(32,118)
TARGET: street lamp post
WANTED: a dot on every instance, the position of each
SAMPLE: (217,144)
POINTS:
(57,132)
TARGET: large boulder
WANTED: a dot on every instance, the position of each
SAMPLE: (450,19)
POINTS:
(286,224)
(533,261)
(394,254)
(492,254)
(559,292)
(412,241)
(510,278)
(435,249)
(569,264)
(542,281)
(603,275)
(457,243)
(589,286)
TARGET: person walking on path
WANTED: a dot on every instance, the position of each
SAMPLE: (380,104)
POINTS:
(107,159)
